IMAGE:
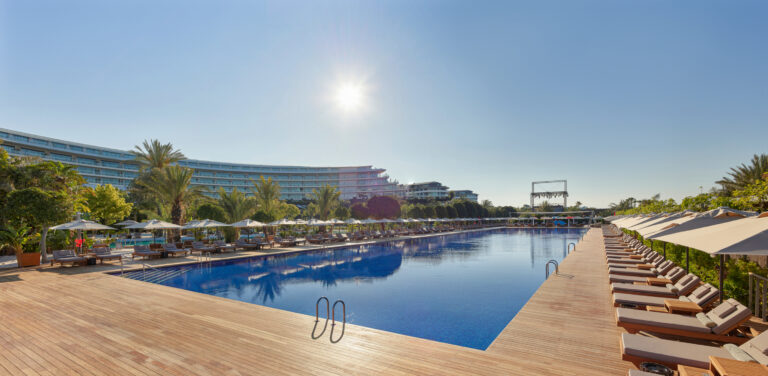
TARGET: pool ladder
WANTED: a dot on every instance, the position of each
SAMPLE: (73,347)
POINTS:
(332,311)
(569,246)
(557,268)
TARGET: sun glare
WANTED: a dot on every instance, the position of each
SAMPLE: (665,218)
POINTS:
(349,97)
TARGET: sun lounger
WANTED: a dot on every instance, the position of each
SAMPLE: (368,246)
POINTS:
(674,274)
(170,249)
(67,256)
(716,325)
(682,287)
(144,252)
(202,248)
(102,253)
(242,244)
(703,296)
(638,348)
(222,246)
(662,268)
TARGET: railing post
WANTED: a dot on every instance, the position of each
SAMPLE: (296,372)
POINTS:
(749,293)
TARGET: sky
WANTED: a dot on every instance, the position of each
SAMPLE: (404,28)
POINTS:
(621,98)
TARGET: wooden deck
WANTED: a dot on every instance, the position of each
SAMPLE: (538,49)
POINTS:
(93,324)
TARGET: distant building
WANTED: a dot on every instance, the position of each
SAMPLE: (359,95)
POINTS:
(431,190)
(99,165)
(465,194)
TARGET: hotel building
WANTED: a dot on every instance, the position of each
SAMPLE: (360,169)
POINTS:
(99,165)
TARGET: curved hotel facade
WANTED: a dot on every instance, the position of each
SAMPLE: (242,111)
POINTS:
(99,165)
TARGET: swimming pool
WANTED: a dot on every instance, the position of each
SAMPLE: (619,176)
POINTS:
(461,289)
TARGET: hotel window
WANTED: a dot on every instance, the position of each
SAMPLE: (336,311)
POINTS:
(92,151)
(72,147)
(86,161)
(110,164)
(59,145)
(32,152)
(129,166)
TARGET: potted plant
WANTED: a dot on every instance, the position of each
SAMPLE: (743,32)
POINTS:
(16,238)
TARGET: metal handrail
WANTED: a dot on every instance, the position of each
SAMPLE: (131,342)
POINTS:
(557,267)
(144,270)
(327,308)
(344,312)
(759,286)
(569,247)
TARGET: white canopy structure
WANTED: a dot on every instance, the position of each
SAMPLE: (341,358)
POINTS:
(126,222)
(205,223)
(153,224)
(247,223)
(282,222)
(352,221)
(712,217)
(81,224)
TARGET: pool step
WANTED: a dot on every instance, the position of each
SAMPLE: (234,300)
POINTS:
(155,275)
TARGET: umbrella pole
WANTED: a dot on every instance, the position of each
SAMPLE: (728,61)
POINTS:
(722,276)
(687,260)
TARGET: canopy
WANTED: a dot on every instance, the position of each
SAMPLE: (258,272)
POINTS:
(334,221)
(706,219)
(127,222)
(300,221)
(352,221)
(249,223)
(368,221)
(205,223)
(666,222)
(317,222)
(745,236)
(81,224)
(282,222)
(154,224)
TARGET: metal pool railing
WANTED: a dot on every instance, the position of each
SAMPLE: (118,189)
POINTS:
(758,287)
(557,267)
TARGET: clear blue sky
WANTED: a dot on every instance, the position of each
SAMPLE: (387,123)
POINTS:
(622,98)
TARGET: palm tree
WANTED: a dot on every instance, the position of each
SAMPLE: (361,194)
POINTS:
(487,204)
(154,155)
(267,195)
(171,185)
(743,175)
(326,199)
(235,204)
(14,237)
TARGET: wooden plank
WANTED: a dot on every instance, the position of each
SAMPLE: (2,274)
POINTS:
(86,322)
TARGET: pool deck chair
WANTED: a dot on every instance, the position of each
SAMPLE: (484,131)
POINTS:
(662,268)
(144,252)
(67,256)
(103,253)
(637,349)
(682,287)
(716,325)
(242,244)
(170,248)
(202,248)
(673,275)
(703,296)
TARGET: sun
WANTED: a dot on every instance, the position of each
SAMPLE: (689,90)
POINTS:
(349,97)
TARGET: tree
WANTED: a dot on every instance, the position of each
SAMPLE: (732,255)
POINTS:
(451,212)
(741,176)
(487,204)
(441,211)
(428,211)
(545,207)
(359,211)
(289,210)
(172,186)
(154,155)
(753,196)
(40,209)
(107,204)
(461,209)
(211,210)
(326,199)
(341,212)
(236,205)
(14,238)
(267,195)
(383,207)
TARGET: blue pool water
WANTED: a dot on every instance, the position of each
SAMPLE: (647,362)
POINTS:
(461,289)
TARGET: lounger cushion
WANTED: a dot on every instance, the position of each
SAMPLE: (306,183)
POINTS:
(675,273)
(637,372)
(738,354)
(724,324)
(626,278)
(644,300)
(686,284)
(671,351)
(705,320)
(631,271)
(660,319)
(70,259)
(723,310)
(701,291)
(672,288)
(642,289)
(757,347)
(684,299)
